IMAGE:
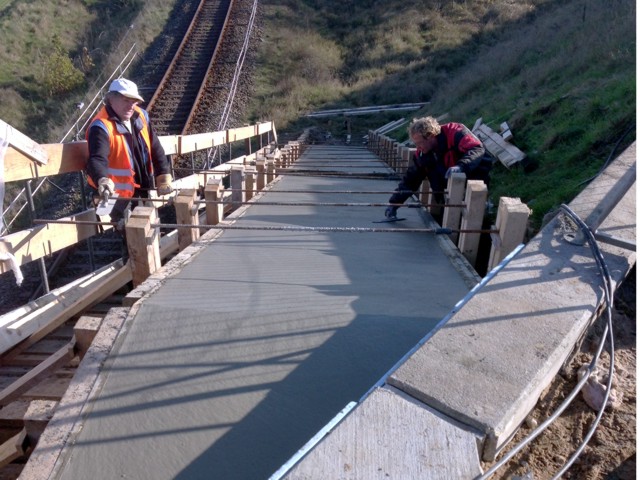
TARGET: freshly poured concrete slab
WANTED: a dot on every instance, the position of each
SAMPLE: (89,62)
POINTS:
(391,435)
(489,364)
(242,355)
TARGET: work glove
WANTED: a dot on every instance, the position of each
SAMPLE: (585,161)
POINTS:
(106,187)
(451,171)
(163,184)
(391,212)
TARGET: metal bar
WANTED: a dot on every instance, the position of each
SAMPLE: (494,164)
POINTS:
(606,205)
(41,265)
(308,166)
(305,204)
(438,231)
(83,194)
(615,241)
(302,173)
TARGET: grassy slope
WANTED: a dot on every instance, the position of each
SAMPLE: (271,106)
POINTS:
(26,32)
(561,73)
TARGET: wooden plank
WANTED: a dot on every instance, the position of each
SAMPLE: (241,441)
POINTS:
(511,149)
(264,127)
(240,133)
(37,242)
(72,156)
(170,144)
(192,181)
(37,324)
(452,216)
(85,331)
(63,158)
(143,243)
(13,448)
(43,370)
(511,221)
(475,198)
(19,141)
(201,141)
(26,359)
(50,388)
(12,415)
(47,346)
(185,215)
(37,417)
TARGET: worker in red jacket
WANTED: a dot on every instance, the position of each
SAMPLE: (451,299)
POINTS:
(125,154)
(440,151)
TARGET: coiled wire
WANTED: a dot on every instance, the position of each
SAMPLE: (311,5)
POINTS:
(608,293)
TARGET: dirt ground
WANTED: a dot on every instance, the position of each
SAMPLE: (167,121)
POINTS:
(611,452)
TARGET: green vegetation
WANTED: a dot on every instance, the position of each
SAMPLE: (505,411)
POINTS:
(562,74)
(60,76)
(57,53)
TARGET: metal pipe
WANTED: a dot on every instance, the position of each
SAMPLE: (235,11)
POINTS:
(606,205)
(41,265)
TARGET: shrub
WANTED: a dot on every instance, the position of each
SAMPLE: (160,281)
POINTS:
(60,76)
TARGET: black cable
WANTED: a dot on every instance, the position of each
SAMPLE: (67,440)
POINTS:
(607,285)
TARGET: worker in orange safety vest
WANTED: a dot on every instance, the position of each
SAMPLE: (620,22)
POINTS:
(125,154)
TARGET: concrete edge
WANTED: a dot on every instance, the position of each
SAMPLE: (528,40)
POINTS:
(298,467)
(469,275)
(49,454)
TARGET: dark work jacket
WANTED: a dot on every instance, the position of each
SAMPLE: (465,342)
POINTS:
(457,146)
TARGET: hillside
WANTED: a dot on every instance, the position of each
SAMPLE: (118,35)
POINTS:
(562,74)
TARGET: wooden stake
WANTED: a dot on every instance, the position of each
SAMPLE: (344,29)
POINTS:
(511,221)
(452,216)
(186,214)
(213,192)
(143,243)
(476,200)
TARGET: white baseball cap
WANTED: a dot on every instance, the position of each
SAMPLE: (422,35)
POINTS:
(125,87)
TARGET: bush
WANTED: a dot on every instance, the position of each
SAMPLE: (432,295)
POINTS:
(60,76)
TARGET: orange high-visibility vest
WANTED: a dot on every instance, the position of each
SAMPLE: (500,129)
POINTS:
(120,168)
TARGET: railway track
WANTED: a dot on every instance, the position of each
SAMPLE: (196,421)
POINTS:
(178,94)
(38,370)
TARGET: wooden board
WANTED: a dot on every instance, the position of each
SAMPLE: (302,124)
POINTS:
(37,242)
(43,370)
(23,144)
(201,141)
(13,448)
(241,133)
(38,323)
(63,158)
(507,153)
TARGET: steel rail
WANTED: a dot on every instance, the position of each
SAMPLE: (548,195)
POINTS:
(185,49)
